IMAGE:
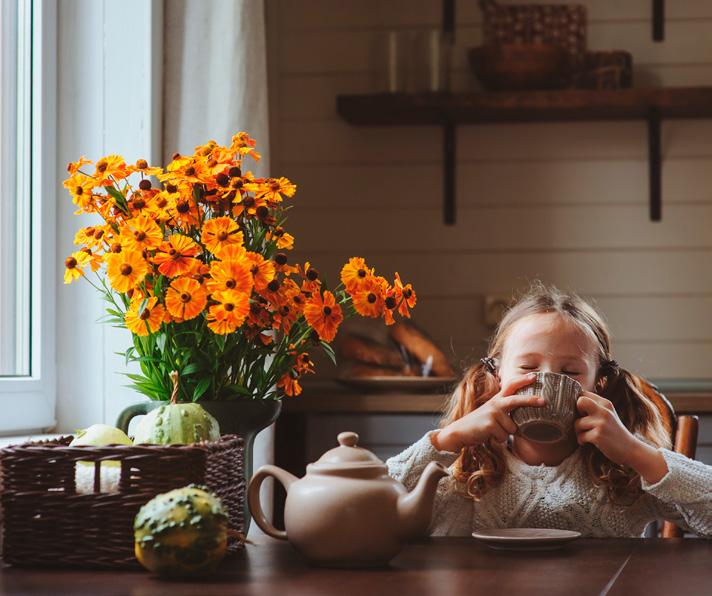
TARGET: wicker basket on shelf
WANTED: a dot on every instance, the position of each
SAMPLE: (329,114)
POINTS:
(47,522)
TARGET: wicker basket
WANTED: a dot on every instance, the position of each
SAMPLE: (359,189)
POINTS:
(47,523)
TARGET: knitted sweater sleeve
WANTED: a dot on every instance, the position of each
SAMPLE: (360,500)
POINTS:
(452,514)
(684,494)
(408,465)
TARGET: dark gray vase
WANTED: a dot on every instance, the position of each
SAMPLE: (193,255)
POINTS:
(244,417)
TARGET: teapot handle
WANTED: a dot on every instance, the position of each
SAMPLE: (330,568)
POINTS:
(253,497)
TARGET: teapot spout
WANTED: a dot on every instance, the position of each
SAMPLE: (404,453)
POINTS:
(415,508)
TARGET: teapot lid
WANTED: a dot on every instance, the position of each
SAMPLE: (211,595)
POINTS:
(348,455)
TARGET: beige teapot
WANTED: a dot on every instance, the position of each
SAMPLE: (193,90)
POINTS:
(346,510)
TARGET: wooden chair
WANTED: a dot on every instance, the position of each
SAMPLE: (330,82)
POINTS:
(683,431)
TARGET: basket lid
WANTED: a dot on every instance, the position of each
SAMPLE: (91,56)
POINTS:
(348,455)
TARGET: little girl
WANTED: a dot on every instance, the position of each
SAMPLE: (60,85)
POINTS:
(611,477)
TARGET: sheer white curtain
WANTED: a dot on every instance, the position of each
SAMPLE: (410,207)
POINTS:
(215,84)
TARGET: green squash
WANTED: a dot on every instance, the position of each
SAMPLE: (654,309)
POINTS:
(181,532)
(177,423)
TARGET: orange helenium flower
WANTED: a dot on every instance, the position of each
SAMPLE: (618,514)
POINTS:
(176,256)
(284,240)
(354,273)
(230,275)
(148,320)
(141,233)
(219,233)
(368,299)
(262,270)
(405,296)
(185,298)
(230,311)
(289,384)
(126,269)
(324,315)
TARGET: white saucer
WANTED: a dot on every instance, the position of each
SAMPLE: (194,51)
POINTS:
(525,538)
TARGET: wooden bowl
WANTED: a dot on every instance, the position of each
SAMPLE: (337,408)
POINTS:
(516,67)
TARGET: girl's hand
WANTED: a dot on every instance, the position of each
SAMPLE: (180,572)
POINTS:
(601,426)
(490,420)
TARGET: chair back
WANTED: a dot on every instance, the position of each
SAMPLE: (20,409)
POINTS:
(683,433)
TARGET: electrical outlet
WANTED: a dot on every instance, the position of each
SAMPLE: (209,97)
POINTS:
(495,305)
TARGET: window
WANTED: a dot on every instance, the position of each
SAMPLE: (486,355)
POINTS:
(27,197)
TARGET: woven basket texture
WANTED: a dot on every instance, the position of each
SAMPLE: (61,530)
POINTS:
(46,522)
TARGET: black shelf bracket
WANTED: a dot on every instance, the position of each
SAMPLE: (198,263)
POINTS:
(449,161)
(449,134)
(658,20)
(654,164)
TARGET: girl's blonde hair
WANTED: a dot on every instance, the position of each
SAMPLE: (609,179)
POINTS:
(480,467)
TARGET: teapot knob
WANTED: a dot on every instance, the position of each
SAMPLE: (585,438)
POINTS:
(347,439)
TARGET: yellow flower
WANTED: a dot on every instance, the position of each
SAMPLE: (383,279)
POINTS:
(80,187)
(141,233)
(110,169)
(126,269)
(73,265)
(230,311)
(142,322)
(219,233)
(273,189)
(142,166)
(73,167)
(185,298)
(242,144)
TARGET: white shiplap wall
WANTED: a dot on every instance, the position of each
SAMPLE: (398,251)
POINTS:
(564,202)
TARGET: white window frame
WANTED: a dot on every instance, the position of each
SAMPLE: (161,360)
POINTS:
(27,403)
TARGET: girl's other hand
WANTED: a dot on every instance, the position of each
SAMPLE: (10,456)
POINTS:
(601,426)
(489,421)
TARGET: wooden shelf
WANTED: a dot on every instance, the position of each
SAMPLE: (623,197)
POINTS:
(451,109)
(530,106)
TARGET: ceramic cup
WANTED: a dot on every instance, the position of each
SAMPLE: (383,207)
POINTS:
(554,421)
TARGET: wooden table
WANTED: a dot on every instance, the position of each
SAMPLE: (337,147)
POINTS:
(432,566)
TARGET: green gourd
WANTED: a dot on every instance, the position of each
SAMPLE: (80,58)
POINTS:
(181,532)
(183,423)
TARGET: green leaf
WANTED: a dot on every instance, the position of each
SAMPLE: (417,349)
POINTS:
(201,388)
(190,369)
(119,198)
(239,389)
(329,351)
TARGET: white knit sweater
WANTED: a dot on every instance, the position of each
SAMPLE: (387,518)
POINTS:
(561,497)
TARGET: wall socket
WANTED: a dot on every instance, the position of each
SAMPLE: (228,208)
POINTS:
(495,305)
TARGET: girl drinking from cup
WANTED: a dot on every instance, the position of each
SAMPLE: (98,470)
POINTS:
(612,475)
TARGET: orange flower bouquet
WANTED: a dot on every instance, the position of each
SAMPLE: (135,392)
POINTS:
(196,266)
